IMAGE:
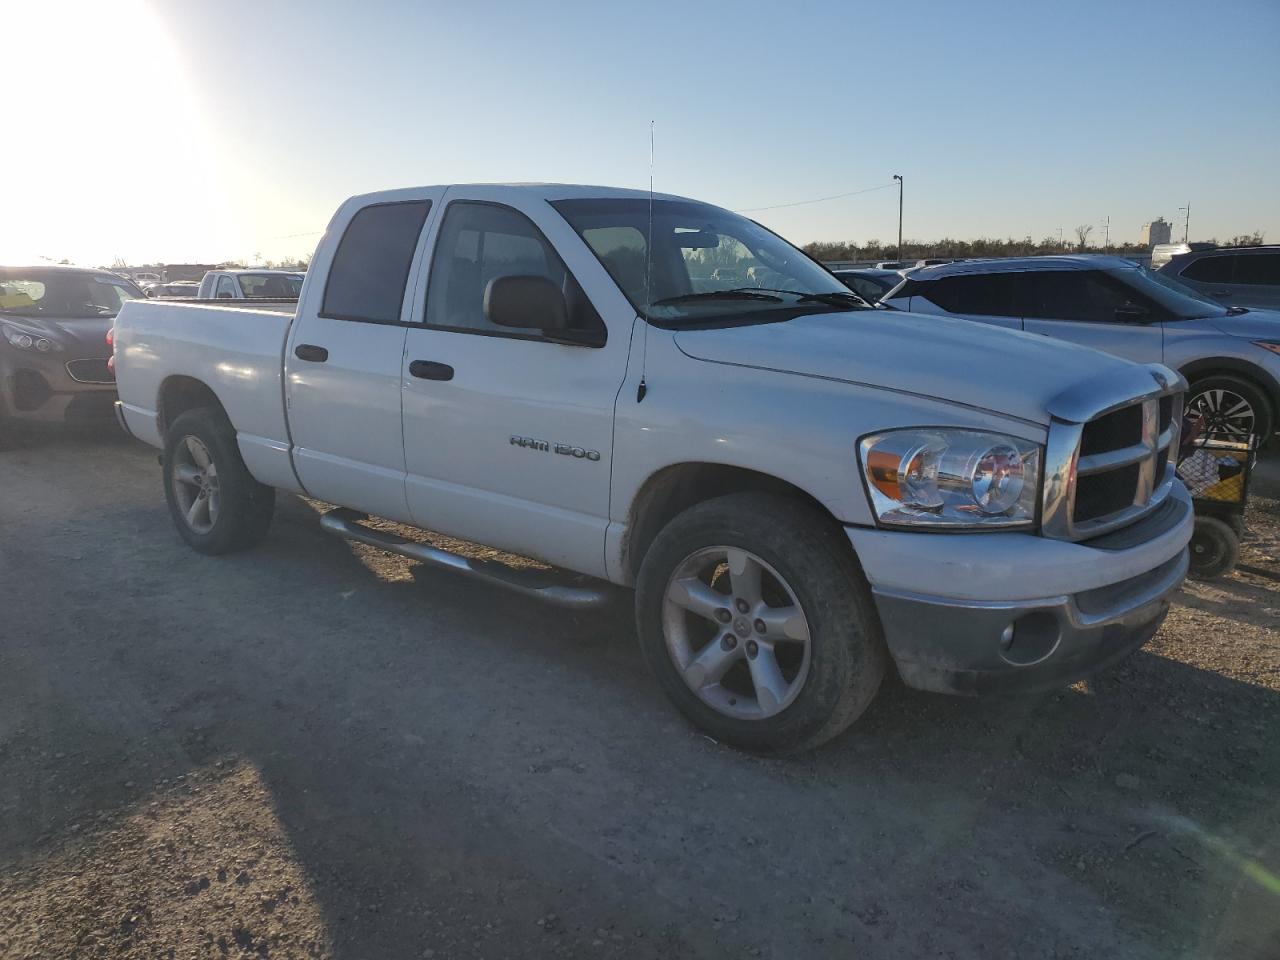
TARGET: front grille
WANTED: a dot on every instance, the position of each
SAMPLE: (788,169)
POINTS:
(1110,470)
(1104,493)
(90,371)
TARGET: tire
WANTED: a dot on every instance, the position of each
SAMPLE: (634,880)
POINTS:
(798,559)
(236,511)
(1218,395)
(1215,549)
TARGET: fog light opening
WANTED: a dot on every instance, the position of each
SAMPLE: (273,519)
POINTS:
(1031,638)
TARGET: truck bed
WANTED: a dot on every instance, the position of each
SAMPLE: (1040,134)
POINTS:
(237,351)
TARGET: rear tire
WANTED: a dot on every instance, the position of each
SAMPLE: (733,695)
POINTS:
(216,504)
(1215,549)
(791,683)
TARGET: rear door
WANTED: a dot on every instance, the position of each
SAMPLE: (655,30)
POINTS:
(1212,275)
(508,435)
(1092,309)
(343,358)
(1256,282)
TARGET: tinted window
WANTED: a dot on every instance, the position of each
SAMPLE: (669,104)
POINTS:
(370,269)
(1262,268)
(993,294)
(480,242)
(1087,295)
(1210,269)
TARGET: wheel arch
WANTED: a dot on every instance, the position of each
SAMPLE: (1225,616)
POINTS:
(675,488)
(179,393)
(1232,366)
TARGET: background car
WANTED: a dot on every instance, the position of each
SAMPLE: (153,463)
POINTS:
(250,284)
(185,290)
(1235,276)
(1230,355)
(870,283)
(53,350)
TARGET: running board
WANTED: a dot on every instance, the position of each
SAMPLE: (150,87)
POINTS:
(567,590)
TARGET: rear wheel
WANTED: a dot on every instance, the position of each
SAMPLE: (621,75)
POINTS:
(216,504)
(1230,407)
(759,624)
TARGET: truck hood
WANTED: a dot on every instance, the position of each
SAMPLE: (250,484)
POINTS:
(954,361)
(1256,324)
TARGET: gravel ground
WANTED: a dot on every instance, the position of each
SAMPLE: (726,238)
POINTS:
(318,750)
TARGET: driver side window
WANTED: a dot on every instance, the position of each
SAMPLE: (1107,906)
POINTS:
(1080,295)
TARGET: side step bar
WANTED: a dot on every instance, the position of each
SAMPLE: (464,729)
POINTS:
(569,590)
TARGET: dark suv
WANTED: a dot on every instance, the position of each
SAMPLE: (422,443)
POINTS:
(53,349)
(1234,276)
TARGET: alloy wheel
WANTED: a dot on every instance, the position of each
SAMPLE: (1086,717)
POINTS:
(1225,414)
(195,484)
(736,633)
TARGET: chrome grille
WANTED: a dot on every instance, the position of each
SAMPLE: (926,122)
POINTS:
(1110,453)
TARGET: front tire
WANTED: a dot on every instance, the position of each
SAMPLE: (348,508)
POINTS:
(216,504)
(1231,407)
(759,624)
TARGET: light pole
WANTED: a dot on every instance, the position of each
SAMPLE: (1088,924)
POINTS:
(898,177)
(1106,226)
(1186,224)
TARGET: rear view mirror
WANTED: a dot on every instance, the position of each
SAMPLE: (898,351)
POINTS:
(697,239)
(527,302)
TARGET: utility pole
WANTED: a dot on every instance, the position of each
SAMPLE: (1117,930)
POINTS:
(1186,224)
(898,177)
(1059,236)
(1106,234)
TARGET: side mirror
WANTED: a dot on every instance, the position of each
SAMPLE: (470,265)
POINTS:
(529,302)
(1132,313)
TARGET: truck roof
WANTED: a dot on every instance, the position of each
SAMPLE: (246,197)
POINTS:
(546,191)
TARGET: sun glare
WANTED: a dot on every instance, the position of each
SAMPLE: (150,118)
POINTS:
(107,153)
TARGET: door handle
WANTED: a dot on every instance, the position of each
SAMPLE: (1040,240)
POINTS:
(309,351)
(430,370)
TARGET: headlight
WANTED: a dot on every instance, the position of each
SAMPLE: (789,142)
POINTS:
(1271,345)
(945,478)
(25,338)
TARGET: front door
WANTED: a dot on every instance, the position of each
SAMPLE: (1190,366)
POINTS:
(1094,310)
(508,435)
(343,358)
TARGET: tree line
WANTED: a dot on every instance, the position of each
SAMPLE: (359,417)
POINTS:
(990,247)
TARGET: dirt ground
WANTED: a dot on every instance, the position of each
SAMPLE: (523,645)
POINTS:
(318,750)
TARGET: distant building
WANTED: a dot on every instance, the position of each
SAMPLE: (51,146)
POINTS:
(1157,231)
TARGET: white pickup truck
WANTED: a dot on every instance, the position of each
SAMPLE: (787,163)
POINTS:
(658,394)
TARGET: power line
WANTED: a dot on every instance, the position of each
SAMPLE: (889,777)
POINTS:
(838,196)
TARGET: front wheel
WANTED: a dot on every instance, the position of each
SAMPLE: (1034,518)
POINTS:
(1230,408)
(216,504)
(759,624)
(1215,549)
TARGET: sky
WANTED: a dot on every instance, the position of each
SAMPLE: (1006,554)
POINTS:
(193,131)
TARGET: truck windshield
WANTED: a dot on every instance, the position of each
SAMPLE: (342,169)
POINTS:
(1179,299)
(707,263)
(68,294)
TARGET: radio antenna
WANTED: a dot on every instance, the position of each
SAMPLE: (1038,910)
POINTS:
(648,268)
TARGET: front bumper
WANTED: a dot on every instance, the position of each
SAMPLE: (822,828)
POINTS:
(1084,608)
(40,388)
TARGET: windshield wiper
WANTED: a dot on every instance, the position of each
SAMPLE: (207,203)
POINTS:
(738,293)
(833,298)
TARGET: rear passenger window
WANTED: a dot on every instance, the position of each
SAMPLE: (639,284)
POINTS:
(370,269)
(1211,269)
(480,242)
(1260,268)
(992,294)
